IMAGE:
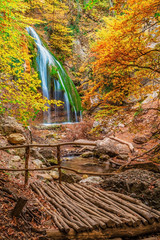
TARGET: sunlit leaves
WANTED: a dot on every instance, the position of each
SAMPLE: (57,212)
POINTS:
(18,89)
(126,51)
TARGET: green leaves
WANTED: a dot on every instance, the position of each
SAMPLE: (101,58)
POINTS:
(90,4)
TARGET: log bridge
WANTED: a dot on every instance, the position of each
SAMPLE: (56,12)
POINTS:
(81,211)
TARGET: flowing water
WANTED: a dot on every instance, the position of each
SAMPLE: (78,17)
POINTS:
(57,85)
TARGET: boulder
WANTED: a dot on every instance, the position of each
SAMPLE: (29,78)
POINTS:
(52,161)
(112,148)
(3,141)
(150,97)
(104,157)
(38,163)
(79,49)
(16,138)
(16,158)
(52,136)
(46,153)
(70,177)
(140,139)
(123,151)
(54,174)
(87,154)
(9,125)
(44,176)
(20,152)
(35,154)
(107,146)
(93,179)
(96,124)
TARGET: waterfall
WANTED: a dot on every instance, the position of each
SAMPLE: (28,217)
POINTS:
(63,89)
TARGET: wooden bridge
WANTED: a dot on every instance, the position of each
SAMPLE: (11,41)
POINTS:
(85,212)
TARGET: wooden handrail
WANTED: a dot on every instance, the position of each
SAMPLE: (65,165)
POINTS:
(29,169)
(59,162)
(27,156)
(47,145)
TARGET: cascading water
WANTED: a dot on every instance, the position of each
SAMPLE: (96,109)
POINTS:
(60,89)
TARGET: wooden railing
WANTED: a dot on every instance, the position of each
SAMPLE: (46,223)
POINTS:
(26,169)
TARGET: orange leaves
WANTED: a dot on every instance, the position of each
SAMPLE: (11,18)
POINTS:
(124,52)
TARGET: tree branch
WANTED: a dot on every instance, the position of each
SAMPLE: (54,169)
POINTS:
(132,159)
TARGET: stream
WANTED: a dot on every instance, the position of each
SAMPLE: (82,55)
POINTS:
(86,164)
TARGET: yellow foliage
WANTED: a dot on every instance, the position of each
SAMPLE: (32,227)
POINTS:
(18,89)
(60,37)
(54,14)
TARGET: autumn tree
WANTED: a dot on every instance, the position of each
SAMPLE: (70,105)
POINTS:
(54,14)
(19,95)
(125,53)
(60,34)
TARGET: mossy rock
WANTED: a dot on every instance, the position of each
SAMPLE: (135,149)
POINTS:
(70,178)
(52,161)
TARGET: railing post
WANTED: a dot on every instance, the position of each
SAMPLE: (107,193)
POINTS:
(27,153)
(59,163)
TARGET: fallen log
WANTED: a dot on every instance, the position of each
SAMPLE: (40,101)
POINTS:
(141,155)
(123,142)
(105,234)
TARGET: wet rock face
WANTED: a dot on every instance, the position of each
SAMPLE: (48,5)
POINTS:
(16,138)
(137,183)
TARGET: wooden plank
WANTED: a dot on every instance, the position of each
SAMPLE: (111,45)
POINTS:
(104,234)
